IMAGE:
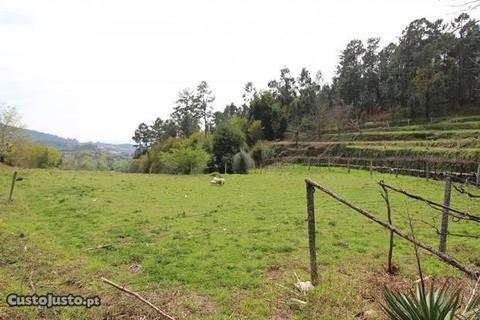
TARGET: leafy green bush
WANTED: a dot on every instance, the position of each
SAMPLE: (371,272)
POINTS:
(33,155)
(186,159)
(242,162)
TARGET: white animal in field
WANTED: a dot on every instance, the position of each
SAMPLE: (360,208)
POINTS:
(219,181)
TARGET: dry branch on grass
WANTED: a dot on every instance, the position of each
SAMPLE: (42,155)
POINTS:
(139,297)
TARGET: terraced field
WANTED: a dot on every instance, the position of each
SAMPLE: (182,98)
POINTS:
(455,140)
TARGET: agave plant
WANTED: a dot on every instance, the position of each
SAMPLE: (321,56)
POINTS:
(438,304)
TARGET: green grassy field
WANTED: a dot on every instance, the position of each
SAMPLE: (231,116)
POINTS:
(208,252)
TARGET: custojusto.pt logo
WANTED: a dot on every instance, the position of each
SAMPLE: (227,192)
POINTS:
(50,300)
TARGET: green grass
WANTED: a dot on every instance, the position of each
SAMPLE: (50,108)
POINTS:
(207,251)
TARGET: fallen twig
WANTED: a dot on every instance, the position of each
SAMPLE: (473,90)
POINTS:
(30,281)
(298,301)
(101,246)
(470,301)
(139,297)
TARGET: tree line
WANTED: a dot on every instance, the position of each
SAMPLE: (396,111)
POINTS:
(431,71)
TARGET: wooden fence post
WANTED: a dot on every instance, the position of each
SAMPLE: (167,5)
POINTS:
(427,171)
(348,165)
(371,167)
(396,169)
(477,176)
(444,228)
(12,187)
(328,164)
(311,233)
(389,216)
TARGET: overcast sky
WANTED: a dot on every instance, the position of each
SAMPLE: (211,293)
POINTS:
(93,70)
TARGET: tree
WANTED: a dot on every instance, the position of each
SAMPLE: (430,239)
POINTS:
(248,95)
(205,99)
(269,112)
(254,132)
(10,129)
(370,76)
(284,90)
(349,74)
(144,139)
(227,141)
(186,114)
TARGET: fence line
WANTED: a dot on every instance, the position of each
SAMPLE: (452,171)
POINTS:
(372,165)
(311,212)
(459,214)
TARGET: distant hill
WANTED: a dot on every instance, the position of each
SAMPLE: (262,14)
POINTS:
(70,145)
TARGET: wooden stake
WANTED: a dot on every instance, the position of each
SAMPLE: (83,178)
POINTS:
(444,229)
(396,169)
(12,187)
(389,216)
(371,167)
(311,233)
(139,297)
(427,171)
(477,176)
(348,165)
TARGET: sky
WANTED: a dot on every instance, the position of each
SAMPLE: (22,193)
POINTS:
(93,70)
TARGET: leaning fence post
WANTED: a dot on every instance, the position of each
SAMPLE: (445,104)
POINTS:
(311,233)
(12,187)
(444,228)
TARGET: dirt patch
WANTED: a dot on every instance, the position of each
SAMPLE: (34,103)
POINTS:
(179,303)
(273,272)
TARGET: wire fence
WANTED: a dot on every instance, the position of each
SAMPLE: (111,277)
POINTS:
(446,209)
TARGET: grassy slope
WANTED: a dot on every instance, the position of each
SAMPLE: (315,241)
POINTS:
(216,251)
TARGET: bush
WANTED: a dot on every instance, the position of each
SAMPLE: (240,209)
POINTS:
(33,155)
(260,153)
(242,162)
(186,160)
(254,132)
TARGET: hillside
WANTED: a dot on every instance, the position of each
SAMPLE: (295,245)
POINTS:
(71,145)
(450,144)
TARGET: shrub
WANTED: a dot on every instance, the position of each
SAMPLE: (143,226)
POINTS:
(254,132)
(33,155)
(186,159)
(242,162)
(260,153)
